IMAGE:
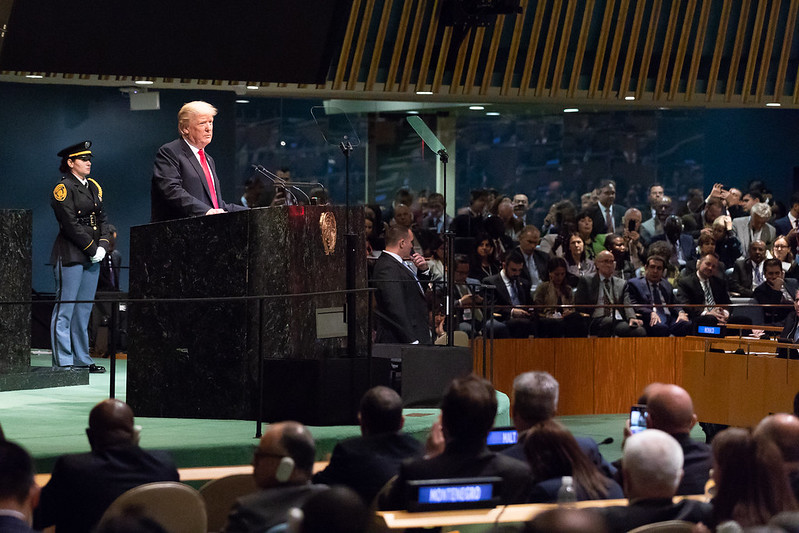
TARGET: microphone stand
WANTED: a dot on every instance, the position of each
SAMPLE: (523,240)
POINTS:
(351,253)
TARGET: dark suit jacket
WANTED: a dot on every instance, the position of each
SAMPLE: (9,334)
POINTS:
(401,304)
(622,518)
(764,294)
(257,512)
(366,463)
(12,524)
(501,296)
(689,291)
(685,243)
(179,188)
(461,462)
(541,260)
(588,294)
(83,486)
(639,293)
(741,278)
(599,220)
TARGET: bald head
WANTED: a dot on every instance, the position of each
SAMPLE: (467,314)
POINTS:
(281,440)
(783,430)
(110,424)
(670,409)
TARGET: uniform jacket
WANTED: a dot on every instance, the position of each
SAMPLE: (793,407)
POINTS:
(81,220)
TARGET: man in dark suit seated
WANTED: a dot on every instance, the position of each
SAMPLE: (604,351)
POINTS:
(704,292)
(185,182)
(651,294)
(82,486)
(468,409)
(19,493)
(603,288)
(535,400)
(282,468)
(367,462)
(788,226)
(401,305)
(652,470)
(512,292)
(775,291)
(535,261)
(747,273)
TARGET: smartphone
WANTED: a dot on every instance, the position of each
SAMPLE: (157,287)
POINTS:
(631,225)
(637,418)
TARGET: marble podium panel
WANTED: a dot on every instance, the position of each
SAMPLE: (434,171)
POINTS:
(200,358)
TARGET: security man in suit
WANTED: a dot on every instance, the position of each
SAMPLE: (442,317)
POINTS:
(82,242)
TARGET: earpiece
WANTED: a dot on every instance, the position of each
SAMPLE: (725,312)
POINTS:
(284,469)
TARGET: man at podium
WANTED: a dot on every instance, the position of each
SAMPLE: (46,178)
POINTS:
(185,182)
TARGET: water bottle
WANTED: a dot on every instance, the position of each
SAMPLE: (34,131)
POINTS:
(567,495)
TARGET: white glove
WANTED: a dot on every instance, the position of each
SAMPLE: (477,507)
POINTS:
(98,255)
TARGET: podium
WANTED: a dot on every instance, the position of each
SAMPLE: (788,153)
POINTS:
(202,358)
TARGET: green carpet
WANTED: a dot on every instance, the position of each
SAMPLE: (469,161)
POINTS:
(51,422)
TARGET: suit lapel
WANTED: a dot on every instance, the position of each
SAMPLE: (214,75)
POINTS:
(198,169)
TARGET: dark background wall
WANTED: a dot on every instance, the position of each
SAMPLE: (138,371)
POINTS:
(733,146)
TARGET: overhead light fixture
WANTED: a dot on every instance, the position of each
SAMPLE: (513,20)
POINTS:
(773,104)
(34,76)
(424,93)
(253,87)
(629,98)
(571,110)
(476,107)
(143,82)
(492,114)
(412,112)
(242,101)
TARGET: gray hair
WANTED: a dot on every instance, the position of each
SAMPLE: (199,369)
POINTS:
(654,459)
(761,209)
(535,396)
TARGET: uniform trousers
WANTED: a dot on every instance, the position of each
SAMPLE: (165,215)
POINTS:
(69,327)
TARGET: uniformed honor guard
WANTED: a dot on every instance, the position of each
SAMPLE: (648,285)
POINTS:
(81,244)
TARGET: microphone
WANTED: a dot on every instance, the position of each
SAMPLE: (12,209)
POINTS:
(277,181)
(284,184)
(608,440)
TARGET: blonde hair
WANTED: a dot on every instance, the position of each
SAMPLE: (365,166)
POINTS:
(191,109)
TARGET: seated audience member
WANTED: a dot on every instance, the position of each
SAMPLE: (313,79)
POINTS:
(512,293)
(682,244)
(751,483)
(728,246)
(781,249)
(403,216)
(788,226)
(695,222)
(468,409)
(703,288)
(513,226)
(400,297)
(747,273)
(585,229)
(670,409)
(282,467)
(535,400)
(82,486)
(777,290)
(554,320)
(521,203)
(577,259)
(783,430)
(652,467)
(706,244)
(19,492)
(630,232)
(654,197)
(535,261)
(338,510)
(561,219)
(435,220)
(621,255)
(665,250)
(607,214)
(470,224)
(468,315)
(365,463)
(566,520)
(654,225)
(552,452)
(495,229)
(650,293)
(755,227)
(484,262)
(601,289)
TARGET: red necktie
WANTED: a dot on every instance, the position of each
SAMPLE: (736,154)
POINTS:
(209,178)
